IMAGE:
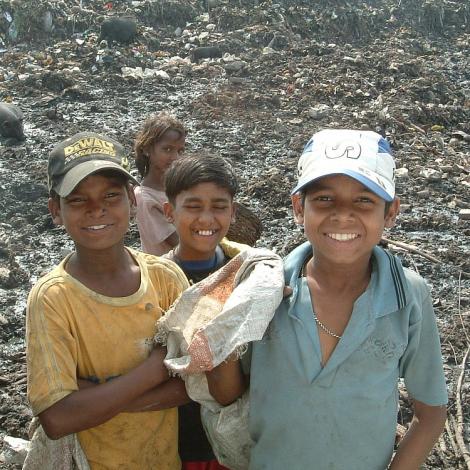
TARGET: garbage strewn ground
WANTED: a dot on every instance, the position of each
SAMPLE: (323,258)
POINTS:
(252,80)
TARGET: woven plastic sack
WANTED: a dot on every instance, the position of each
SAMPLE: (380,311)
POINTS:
(211,320)
(61,454)
(228,434)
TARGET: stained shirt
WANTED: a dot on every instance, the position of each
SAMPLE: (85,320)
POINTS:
(73,332)
(343,415)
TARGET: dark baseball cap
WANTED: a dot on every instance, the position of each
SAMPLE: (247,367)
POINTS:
(77,157)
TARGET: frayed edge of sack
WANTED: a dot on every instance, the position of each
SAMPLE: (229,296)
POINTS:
(161,337)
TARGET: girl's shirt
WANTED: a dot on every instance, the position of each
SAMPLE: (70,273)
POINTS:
(153,227)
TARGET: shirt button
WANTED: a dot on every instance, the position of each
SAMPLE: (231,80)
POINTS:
(148,306)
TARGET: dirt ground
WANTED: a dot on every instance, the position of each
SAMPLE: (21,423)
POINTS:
(290,68)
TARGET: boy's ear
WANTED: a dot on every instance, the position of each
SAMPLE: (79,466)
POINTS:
(168,211)
(298,208)
(393,211)
(54,209)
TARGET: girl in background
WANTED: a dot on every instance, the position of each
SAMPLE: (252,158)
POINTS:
(160,141)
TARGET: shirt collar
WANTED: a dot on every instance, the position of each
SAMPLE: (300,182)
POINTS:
(390,286)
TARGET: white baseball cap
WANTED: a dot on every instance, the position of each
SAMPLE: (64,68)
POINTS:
(363,155)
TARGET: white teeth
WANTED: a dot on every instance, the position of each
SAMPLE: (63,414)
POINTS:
(96,227)
(205,233)
(342,237)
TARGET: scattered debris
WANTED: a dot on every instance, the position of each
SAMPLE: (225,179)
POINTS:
(207,52)
(464,214)
(11,121)
(14,450)
(123,30)
(252,80)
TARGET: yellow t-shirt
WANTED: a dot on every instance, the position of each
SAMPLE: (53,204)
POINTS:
(71,332)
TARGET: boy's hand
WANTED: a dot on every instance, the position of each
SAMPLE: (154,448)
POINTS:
(159,353)
(155,363)
(287,291)
(226,381)
(169,394)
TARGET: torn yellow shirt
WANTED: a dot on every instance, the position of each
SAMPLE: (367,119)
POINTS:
(73,332)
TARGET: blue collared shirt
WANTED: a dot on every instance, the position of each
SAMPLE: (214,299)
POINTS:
(343,416)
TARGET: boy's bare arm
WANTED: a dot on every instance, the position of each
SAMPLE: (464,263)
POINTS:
(226,381)
(426,427)
(92,406)
(167,395)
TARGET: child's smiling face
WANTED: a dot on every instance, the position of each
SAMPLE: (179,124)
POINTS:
(164,152)
(202,215)
(343,220)
(96,213)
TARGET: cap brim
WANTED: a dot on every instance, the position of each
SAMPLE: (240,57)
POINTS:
(383,190)
(81,171)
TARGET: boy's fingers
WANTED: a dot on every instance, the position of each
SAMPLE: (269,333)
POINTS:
(159,352)
(287,291)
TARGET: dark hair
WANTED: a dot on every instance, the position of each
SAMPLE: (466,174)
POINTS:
(191,170)
(152,130)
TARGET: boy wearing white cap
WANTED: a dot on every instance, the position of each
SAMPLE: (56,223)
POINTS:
(323,381)
(92,369)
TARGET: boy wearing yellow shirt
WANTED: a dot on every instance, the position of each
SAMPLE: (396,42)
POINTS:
(91,320)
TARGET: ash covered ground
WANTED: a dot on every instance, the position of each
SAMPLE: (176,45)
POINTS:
(289,69)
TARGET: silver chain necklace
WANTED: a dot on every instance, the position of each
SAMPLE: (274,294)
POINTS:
(319,323)
(324,328)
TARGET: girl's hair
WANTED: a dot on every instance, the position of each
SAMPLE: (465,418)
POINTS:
(152,130)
